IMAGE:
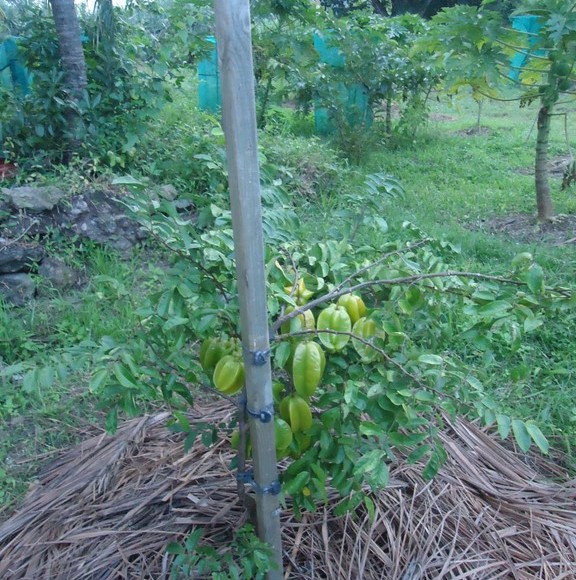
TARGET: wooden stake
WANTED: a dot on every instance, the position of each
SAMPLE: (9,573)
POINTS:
(239,119)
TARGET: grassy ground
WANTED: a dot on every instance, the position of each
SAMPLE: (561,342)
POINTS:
(458,180)
(455,181)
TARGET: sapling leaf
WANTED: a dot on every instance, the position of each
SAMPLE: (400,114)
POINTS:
(535,279)
(297,483)
(503,422)
(521,434)
(537,436)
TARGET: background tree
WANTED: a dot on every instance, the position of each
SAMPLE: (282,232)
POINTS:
(73,63)
(424,8)
(476,45)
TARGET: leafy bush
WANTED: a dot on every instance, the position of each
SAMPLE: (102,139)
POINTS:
(385,389)
(247,557)
(128,71)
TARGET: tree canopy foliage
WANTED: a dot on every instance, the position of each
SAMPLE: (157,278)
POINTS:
(424,8)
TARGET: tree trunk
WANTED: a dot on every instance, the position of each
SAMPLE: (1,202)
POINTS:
(389,113)
(479,117)
(73,63)
(543,198)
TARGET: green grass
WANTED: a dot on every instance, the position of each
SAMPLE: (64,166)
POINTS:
(61,333)
(455,182)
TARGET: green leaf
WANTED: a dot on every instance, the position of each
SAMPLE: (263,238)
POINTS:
(174,323)
(282,353)
(522,259)
(537,436)
(46,377)
(489,417)
(419,453)
(433,465)
(30,381)
(431,359)
(368,462)
(330,418)
(193,540)
(190,440)
(425,396)
(535,279)
(111,421)
(521,434)
(206,322)
(400,439)
(175,548)
(494,309)
(370,508)
(124,376)
(503,422)
(380,477)
(368,429)
(181,422)
(297,483)
(474,383)
(127,180)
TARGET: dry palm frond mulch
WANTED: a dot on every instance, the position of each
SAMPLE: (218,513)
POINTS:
(107,508)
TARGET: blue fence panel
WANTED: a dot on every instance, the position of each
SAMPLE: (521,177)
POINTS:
(528,24)
(352,98)
(209,94)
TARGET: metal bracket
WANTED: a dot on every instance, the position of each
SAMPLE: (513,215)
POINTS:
(259,357)
(265,415)
(247,478)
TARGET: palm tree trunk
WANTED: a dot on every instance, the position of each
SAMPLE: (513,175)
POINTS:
(73,63)
(543,197)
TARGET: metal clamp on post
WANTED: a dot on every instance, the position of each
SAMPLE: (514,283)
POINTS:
(259,357)
(265,415)
(247,478)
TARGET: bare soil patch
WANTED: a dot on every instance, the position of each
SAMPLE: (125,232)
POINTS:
(525,228)
(556,167)
(442,117)
(474,132)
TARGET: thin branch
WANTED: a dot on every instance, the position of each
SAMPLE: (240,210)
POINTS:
(566,136)
(380,260)
(499,99)
(338,291)
(23,234)
(384,355)
(521,50)
(511,66)
(516,82)
(222,289)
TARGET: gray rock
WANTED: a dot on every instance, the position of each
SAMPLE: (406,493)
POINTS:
(183,204)
(16,289)
(34,199)
(57,274)
(78,206)
(168,191)
(16,257)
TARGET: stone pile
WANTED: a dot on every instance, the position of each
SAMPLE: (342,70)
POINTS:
(32,222)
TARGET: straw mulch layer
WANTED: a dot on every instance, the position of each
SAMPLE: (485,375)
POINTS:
(108,507)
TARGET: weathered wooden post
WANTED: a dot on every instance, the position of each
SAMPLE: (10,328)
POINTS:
(239,119)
